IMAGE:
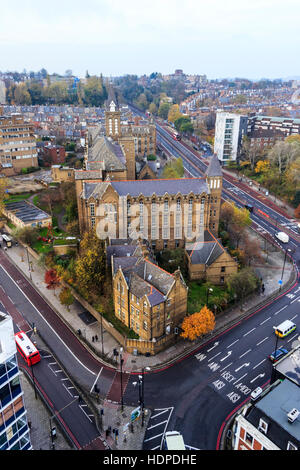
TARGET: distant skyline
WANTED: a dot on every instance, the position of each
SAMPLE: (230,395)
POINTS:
(233,38)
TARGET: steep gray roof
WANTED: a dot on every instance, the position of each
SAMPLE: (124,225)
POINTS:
(108,152)
(206,251)
(214,167)
(160,187)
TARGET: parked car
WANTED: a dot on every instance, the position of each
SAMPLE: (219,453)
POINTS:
(278,354)
(256,393)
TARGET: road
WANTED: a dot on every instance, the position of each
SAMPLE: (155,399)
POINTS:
(196,394)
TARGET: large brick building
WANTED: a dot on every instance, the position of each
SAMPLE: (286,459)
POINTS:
(147,299)
(17,143)
(168,213)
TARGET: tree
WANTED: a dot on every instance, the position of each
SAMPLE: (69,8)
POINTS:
(243,283)
(283,153)
(4,183)
(226,214)
(153,108)
(198,324)
(66,298)
(90,266)
(21,95)
(174,113)
(297,212)
(250,151)
(173,169)
(183,125)
(163,110)
(51,279)
(262,166)
(27,235)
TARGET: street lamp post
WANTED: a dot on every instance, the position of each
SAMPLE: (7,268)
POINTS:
(142,393)
(121,364)
(140,384)
(208,291)
(285,255)
(28,263)
(273,374)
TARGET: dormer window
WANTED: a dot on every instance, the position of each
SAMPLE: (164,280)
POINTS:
(263,426)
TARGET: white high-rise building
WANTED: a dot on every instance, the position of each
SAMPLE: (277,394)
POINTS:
(14,430)
(229,131)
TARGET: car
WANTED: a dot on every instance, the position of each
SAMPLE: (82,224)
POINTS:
(278,354)
(256,393)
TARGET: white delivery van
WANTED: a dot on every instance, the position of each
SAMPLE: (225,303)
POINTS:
(173,440)
(283,237)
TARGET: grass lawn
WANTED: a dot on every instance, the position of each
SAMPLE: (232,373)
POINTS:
(197,296)
(17,197)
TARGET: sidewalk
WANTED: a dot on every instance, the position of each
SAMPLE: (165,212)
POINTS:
(76,318)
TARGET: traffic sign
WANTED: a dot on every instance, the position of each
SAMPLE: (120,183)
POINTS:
(135,414)
(280,281)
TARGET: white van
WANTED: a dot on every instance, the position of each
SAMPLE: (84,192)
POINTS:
(283,237)
(173,440)
(285,328)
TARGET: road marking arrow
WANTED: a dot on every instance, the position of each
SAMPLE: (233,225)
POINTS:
(225,357)
(214,346)
(257,377)
(243,365)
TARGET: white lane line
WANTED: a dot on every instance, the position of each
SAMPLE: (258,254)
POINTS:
(158,414)
(227,365)
(249,332)
(257,344)
(259,364)
(245,353)
(85,412)
(150,438)
(265,320)
(297,298)
(294,317)
(292,338)
(280,310)
(91,372)
(159,424)
(96,379)
(214,357)
(68,390)
(232,343)
(240,378)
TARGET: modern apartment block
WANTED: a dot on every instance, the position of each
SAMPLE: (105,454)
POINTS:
(14,430)
(17,143)
(285,125)
(229,131)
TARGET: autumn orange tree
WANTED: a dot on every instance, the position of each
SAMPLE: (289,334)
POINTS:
(198,324)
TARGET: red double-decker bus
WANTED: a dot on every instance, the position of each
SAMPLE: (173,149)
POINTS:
(27,349)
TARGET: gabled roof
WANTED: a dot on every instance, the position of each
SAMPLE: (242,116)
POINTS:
(206,251)
(150,187)
(214,167)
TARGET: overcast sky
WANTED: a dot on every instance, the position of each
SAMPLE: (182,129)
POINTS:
(219,38)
